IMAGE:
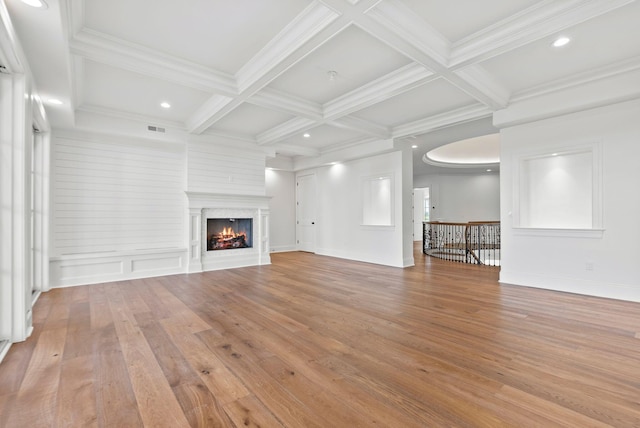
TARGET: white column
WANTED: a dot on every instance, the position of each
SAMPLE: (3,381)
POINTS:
(194,220)
(263,236)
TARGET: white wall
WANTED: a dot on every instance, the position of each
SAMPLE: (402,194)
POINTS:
(462,197)
(280,187)
(117,208)
(116,194)
(215,168)
(340,232)
(603,265)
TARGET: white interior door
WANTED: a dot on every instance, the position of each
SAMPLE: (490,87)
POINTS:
(306,212)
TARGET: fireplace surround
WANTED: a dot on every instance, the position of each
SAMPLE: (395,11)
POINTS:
(205,208)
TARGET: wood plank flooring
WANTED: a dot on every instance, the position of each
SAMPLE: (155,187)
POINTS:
(314,341)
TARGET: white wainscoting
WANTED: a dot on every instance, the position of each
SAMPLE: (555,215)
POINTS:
(116,266)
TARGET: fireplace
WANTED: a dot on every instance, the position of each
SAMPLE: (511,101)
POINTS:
(229,233)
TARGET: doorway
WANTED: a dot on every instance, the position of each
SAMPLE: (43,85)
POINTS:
(306,212)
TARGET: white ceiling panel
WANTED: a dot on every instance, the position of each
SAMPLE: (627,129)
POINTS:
(119,90)
(354,55)
(427,100)
(249,119)
(590,48)
(222,35)
(456,19)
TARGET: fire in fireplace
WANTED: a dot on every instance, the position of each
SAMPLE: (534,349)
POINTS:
(229,233)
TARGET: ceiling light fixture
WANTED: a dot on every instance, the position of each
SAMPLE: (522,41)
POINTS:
(54,101)
(332,75)
(561,41)
(165,105)
(414,147)
(36,3)
(306,135)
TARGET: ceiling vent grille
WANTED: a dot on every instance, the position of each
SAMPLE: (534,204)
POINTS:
(155,129)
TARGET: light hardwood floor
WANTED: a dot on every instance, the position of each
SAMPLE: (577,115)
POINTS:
(314,341)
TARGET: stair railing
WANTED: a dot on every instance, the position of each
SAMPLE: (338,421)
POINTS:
(476,242)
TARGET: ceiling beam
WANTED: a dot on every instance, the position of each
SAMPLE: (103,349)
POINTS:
(394,83)
(304,27)
(361,125)
(286,103)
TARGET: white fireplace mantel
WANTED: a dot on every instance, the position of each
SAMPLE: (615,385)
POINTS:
(209,205)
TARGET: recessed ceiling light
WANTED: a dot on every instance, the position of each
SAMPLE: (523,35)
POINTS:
(561,41)
(54,101)
(36,3)
(306,135)
(414,147)
(165,105)
(488,170)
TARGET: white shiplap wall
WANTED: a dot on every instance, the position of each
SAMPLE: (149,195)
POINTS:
(222,169)
(116,194)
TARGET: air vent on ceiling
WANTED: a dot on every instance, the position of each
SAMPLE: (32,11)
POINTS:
(155,128)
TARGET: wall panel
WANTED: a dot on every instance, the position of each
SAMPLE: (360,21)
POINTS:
(117,195)
(218,169)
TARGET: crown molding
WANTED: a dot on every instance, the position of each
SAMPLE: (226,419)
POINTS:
(296,150)
(119,114)
(350,144)
(305,26)
(106,49)
(75,17)
(397,17)
(285,130)
(286,103)
(613,89)
(227,136)
(579,79)
(539,21)
(202,118)
(394,83)
(77,79)
(454,117)
(113,122)
(345,152)
(361,125)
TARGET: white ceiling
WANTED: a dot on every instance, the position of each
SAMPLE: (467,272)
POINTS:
(423,72)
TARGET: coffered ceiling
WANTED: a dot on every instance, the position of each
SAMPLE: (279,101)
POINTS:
(347,72)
